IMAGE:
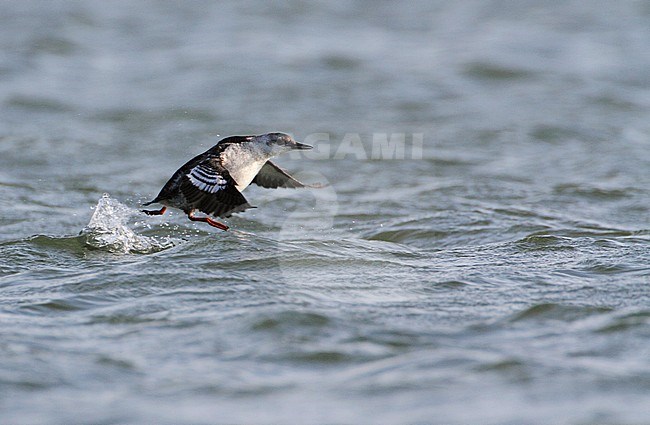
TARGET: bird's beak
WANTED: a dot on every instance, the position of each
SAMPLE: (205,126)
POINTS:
(302,146)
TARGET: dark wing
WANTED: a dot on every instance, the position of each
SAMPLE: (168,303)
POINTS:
(271,177)
(209,188)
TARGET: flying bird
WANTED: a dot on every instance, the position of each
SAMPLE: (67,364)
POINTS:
(213,181)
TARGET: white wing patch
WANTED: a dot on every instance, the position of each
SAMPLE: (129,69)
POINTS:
(207,179)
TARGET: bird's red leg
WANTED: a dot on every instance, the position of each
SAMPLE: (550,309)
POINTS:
(208,220)
(216,224)
(155,212)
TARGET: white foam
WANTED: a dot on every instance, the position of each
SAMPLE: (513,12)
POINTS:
(108,230)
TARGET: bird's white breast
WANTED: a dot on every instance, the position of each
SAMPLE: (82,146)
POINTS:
(243,162)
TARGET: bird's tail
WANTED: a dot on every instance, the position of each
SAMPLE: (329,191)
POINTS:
(150,202)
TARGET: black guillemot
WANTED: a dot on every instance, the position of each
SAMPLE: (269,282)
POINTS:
(212,182)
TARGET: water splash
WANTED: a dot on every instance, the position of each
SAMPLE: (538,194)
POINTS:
(108,230)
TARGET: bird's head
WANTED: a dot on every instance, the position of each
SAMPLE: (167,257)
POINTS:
(276,143)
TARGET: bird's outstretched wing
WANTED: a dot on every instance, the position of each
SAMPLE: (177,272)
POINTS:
(271,177)
(209,188)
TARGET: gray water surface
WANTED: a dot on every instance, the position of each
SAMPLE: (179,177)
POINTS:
(498,276)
